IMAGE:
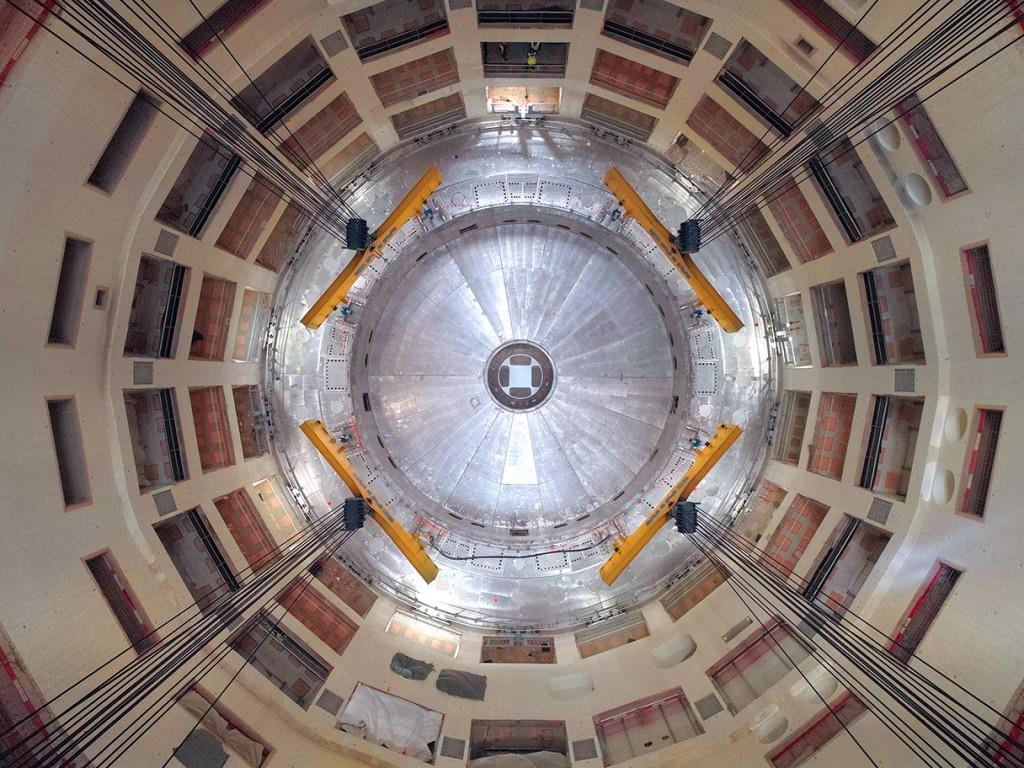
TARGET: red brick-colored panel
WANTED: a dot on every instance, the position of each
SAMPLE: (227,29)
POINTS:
(251,425)
(793,534)
(436,638)
(416,78)
(284,238)
(645,23)
(18,29)
(679,601)
(250,217)
(426,117)
(317,615)
(321,132)
(355,154)
(213,318)
(347,587)
(210,416)
(832,434)
(632,79)
(247,528)
(797,221)
(618,117)
(713,123)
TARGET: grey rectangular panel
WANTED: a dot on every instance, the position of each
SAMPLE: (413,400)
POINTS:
(166,242)
(165,503)
(334,43)
(142,373)
(883,248)
(903,380)
(453,748)
(201,750)
(454,5)
(879,511)
(708,706)
(717,46)
(584,749)
(592,5)
(329,702)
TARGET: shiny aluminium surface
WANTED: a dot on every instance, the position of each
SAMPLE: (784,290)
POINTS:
(547,175)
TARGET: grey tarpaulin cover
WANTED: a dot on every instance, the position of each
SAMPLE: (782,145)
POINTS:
(465,685)
(410,668)
(532,760)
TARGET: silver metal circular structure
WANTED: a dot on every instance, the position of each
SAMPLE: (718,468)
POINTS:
(519,376)
(673,376)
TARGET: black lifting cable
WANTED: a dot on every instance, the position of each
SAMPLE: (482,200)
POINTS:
(221,611)
(156,711)
(941,725)
(189,645)
(855,653)
(761,554)
(113,713)
(890,719)
(893,84)
(165,32)
(106,32)
(937,49)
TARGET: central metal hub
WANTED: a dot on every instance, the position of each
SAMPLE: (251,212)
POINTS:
(520,376)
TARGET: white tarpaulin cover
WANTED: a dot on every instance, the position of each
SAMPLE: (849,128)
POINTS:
(532,760)
(392,722)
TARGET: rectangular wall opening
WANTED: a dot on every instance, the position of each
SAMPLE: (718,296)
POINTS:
(210,418)
(283,659)
(848,188)
(121,148)
(250,217)
(277,513)
(199,187)
(793,533)
(155,431)
(67,442)
(798,223)
(824,727)
(317,614)
(832,434)
(750,670)
(409,728)
(429,117)
(155,318)
(847,559)
(924,610)
(890,304)
(252,320)
(318,135)
(790,426)
(219,24)
(490,738)
(67,305)
(253,427)
(617,118)
(346,586)
(645,726)
(392,25)
(284,86)
(416,78)
(518,649)
(521,101)
(835,27)
(891,442)
(981,459)
(520,60)
(762,243)
(762,505)
(433,636)
(524,13)
(791,331)
(284,238)
(695,585)
(122,601)
(213,319)
(930,147)
(632,79)
(765,89)
(726,135)
(247,528)
(198,556)
(833,324)
(982,302)
(656,26)
(611,633)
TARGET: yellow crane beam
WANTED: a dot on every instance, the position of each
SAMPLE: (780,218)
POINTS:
(334,453)
(635,207)
(628,548)
(337,291)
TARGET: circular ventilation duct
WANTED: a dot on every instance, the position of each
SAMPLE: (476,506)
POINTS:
(522,375)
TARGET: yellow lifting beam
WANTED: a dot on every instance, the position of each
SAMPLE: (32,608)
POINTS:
(337,291)
(634,206)
(628,548)
(334,453)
